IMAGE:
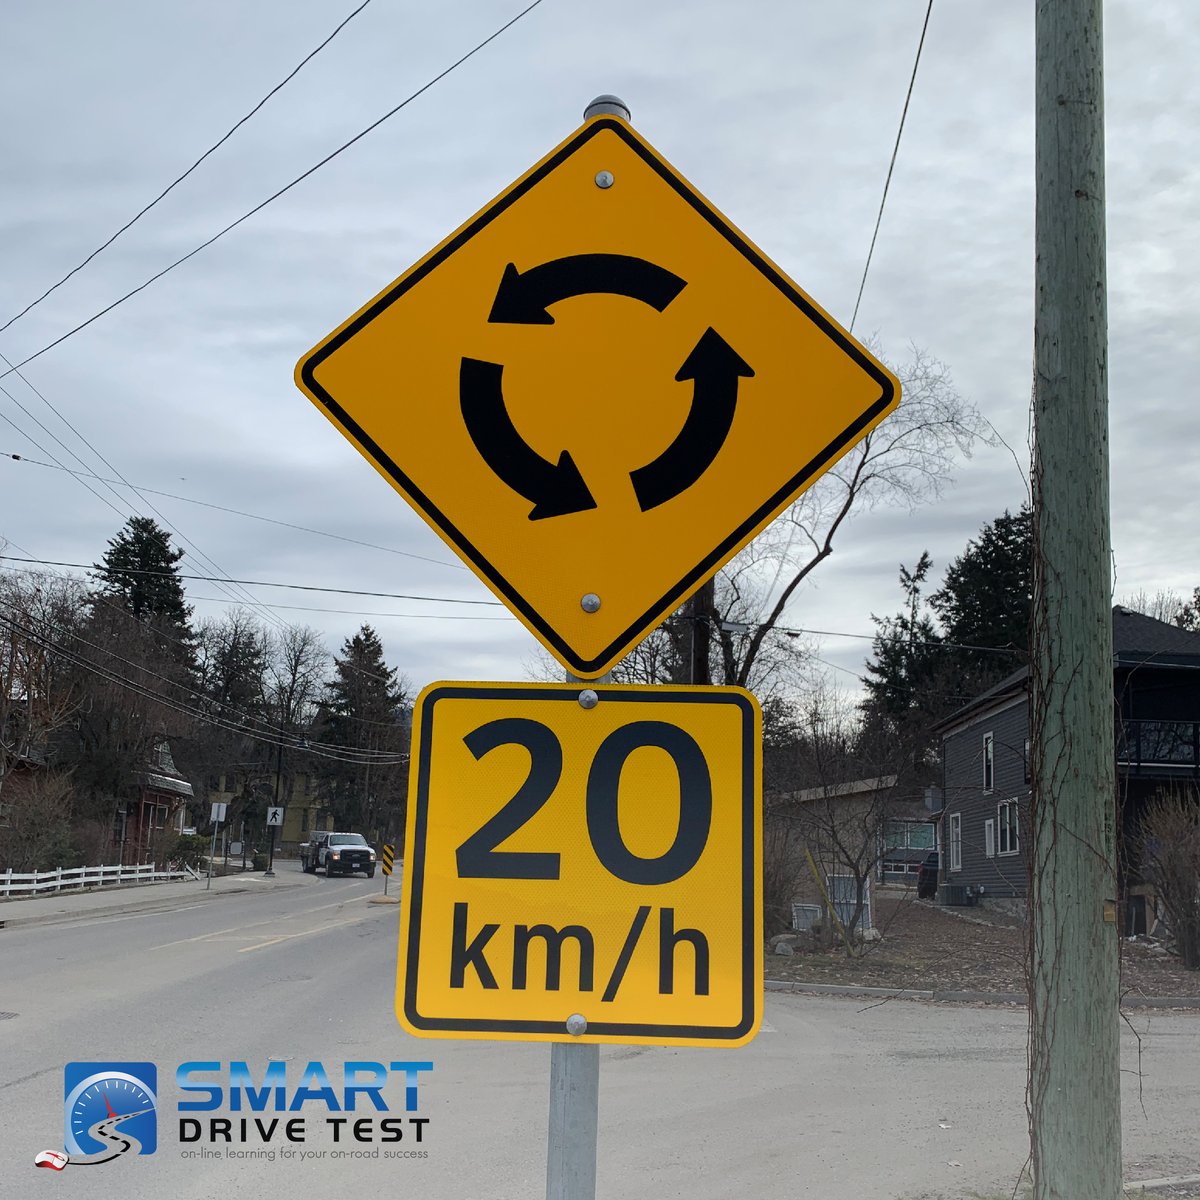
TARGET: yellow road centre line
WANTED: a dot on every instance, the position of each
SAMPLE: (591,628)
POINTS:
(253,924)
(287,937)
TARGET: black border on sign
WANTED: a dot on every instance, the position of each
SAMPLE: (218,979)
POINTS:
(415,865)
(674,595)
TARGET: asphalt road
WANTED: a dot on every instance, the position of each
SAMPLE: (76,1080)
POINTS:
(835,1099)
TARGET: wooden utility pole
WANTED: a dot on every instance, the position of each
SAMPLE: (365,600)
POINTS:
(1074,1093)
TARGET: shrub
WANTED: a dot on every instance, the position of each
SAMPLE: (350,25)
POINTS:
(188,850)
(35,833)
(1170,845)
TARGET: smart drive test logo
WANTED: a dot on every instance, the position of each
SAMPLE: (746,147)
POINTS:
(109,1109)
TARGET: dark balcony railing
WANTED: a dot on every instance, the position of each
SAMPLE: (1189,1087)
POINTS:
(1163,747)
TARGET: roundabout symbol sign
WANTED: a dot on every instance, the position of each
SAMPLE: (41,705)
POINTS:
(558,488)
(597,391)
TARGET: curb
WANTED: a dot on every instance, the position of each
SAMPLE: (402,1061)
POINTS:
(1142,1185)
(148,905)
(1018,999)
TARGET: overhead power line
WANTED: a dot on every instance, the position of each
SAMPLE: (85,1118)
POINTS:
(271,737)
(49,453)
(96,598)
(891,166)
(302,587)
(190,691)
(363,612)
(180,178)
(237,512)
(223,576)
(792,631)
(275,195)
(870,637)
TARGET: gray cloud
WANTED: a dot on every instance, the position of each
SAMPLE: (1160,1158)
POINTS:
(784,115)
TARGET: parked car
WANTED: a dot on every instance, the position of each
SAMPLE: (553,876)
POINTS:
(338,853)
(927,877)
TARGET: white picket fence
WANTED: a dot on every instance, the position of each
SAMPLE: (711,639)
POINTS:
(18,883)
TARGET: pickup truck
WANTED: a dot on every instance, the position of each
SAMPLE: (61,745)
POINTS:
(338,853)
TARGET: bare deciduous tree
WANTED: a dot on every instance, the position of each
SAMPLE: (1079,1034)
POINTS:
(1163,605)
(1170,849)
(37,692)
(831,798)
(35,821)
(905,462)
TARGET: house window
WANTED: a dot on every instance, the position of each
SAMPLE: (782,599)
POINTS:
(989,838)
(304,820)
(905,844)
(1027,775)
(908,835)
(989,763)
(956,841)
(1006,826)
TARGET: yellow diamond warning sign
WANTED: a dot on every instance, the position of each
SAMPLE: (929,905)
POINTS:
(583,853)
(597,391)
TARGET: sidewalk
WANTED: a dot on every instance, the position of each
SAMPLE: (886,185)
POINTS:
(146,897)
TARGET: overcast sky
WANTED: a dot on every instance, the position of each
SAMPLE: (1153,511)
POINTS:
(784,115)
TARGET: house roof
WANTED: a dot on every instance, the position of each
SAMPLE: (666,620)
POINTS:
(174,784)
(838,791)
(1138,640)
(1009,686)
(900,806)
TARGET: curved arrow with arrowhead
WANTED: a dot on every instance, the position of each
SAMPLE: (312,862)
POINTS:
(554,488)
(523,297)
(716,367)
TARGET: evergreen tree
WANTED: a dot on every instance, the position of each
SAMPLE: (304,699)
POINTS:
(231,693)
(135,670)
(366,714)
(905,652)
(140,573)
(1188,616)
(986,596)
(923,668)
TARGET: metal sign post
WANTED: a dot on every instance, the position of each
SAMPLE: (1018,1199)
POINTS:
(526,921)
(736,401)
(574,1104)
(389,859)
(574,1119)
(217,815)
(274,820)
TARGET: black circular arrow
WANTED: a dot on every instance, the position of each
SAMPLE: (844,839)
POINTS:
(554,488)
(523,297)
(557,489)
(716,367)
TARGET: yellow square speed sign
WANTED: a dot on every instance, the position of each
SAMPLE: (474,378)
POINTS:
(589,852)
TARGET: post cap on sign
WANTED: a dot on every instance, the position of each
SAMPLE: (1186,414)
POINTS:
(607,106)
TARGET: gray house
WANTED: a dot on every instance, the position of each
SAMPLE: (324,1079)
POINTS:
(985,762)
